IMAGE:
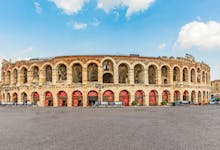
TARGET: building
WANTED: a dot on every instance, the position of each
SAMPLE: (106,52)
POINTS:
(83,80)
(215,89)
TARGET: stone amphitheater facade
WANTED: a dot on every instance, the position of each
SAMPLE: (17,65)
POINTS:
(82,80)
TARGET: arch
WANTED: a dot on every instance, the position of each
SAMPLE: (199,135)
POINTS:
(199,97)
(108,96)
(185,75)
(207,78)
(152,74)
(15,76)
(48,73)
(176,95)
(77,73)
(165,74)
(203,77)
(139,97)
(8,97)
(92,72)
(139,73)
(198,75)
(24,75)
(166,96)
(176,74)
(108,78)
(8,77)
(15,98)
(62,72)
(123,73)
(186,95)
(92,98)
(24,98)
(193,75)
(124,97)
(35,74)
(204,97)
(62,98)
(193,96)
(48,99)
(153,96)
(77,98)
(107,65)
(35,97)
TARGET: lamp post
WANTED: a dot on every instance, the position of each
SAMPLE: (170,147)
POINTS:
(99,87)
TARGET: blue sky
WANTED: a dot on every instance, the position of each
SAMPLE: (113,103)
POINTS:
(45,28)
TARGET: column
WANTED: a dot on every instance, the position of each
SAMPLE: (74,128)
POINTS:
(131,76)
(158,76)
(100,80)
(69,75)
(146,76)
(84,74)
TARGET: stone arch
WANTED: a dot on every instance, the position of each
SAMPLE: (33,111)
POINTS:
(108,96)
(15,76)
(193,75)
(176,74)
(176,95)
(198,75)
(48,99)
(108,78)
(77,98)
(62,72)
(8,74)
(186,95)
(108,65)
(199,97)
(185,74)
(24,75)
(35,73)
(124,97)
(48,73)
(153,98)
(15,98)
(193,96)
(165,74)
(207,80)
(152,74)
(139,97)
(62,98)
(77,73)
(92,97)
(204,97)
(92,72)
(24,97)
(35,97)
(3,77)
(139,73)
(123,73)
(8,97)
(203,77)
(166,96)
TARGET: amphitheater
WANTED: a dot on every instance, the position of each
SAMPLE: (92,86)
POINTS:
(84,80)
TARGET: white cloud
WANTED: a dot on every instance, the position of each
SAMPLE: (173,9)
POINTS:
(199,34)
(95,22)
(133,6)
(162,46)
(79,26)
(69,7)
(38,8)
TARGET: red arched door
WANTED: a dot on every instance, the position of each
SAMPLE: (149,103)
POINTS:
(62,99)
(92,98)
(176,96)
(35,97)
(166,96)
(153,98)
(185,96)
(77,98)
(124,97)
(48,99)
(139,97)
(108,96)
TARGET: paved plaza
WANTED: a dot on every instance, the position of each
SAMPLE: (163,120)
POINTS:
(130,128)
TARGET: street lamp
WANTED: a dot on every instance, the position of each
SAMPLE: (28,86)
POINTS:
(99,87)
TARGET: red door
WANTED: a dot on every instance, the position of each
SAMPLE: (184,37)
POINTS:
(76,98)
(139,97)
(152,98)
(124,97)
(62,99)
(108,96)
(48,99)
(165,96)
(35,97)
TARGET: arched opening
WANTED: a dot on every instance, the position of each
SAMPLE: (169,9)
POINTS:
(62,99)
(35,97)
(153,98)
(185,75)
(15,76)
(15,98)
(3,78)
(92,98)
(199,97)
(107,66)
(176,95)
(123,70)
(77,99)
(108,96)
(193,76)
(176,74)
(203,77)
(152,74)
(193,96)
(48,72)
(186,96)
(24,98)
(77,73)
(8,77)
(48,99)
(198,75)
(8,97)
(62,72)
(24,75)
(108,78)
(124,97)
(139,97)
(35,74)
(166,96)
(139,73)
(165,75)
(92,72)
(204,97)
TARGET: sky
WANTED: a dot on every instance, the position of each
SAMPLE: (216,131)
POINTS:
(48,28)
